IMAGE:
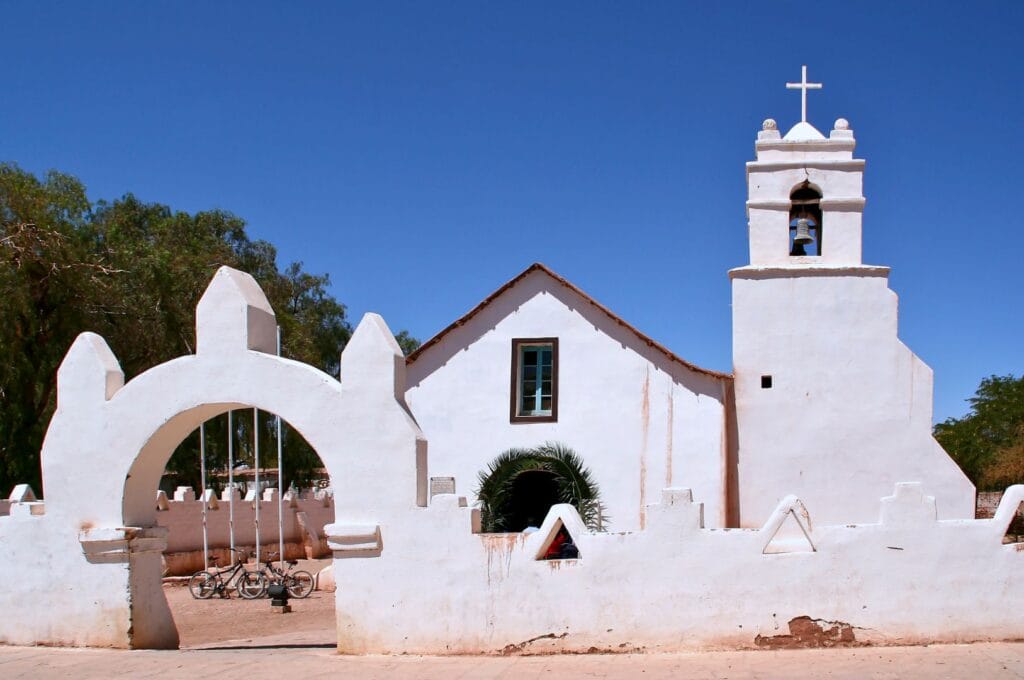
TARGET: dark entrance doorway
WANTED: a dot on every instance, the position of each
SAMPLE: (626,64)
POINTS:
(533,494)
(520,486)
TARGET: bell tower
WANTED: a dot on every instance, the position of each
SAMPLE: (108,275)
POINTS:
(830,405)
(805,193)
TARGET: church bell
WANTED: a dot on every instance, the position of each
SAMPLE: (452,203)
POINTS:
(803,232)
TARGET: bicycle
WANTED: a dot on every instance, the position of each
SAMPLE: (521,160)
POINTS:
(248,584)
(299,582)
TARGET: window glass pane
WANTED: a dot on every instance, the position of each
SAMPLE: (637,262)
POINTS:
(535,386)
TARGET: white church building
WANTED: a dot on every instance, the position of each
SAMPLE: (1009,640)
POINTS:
(826,403)
(802,490)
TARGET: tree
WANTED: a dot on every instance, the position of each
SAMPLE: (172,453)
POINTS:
(988,442)
(133,272)
(408,343)
(502,495)
(54,276)
(1007,466)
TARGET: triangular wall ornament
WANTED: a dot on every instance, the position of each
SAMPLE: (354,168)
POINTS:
(559,535)
(559,545)
(790,537)
(788,530)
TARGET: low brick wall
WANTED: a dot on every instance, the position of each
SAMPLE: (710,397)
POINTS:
(988,502)
(304,519)
(187,563)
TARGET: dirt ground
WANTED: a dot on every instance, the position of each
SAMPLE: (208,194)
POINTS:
(988,661)
(234,622)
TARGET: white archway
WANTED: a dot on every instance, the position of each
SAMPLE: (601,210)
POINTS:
(109,442)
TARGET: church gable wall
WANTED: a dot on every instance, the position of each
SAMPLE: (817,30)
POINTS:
(640,421)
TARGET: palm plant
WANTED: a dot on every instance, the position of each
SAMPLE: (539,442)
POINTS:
(574,483)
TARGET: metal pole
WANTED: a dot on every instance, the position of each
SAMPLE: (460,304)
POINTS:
(280,477)
(202,486)
(256,479)
(231,485)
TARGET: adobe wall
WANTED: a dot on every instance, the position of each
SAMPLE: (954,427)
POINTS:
(438,588)
(182,516)
(304,520)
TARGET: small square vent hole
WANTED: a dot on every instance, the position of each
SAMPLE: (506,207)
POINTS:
(766,382)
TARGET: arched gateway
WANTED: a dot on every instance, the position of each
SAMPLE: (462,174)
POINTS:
(97,542)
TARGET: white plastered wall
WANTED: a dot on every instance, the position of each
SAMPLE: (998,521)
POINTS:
(640,421)
(677,586)
(849,412)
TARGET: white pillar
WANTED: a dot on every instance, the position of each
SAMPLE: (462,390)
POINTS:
(231,485)
(256,477)
(280,477)
(202,487)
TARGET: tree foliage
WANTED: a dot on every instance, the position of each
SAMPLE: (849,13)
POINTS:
(408,343)
(133,272)
(988,442)
(574,481)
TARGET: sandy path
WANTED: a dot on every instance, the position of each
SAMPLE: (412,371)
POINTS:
(236,622)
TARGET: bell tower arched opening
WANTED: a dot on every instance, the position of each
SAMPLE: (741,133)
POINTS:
(805,228)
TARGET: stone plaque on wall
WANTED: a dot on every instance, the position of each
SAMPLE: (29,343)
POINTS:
(439,485)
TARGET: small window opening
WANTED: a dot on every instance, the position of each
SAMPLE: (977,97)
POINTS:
(766,382)
(805,221)
(560,545)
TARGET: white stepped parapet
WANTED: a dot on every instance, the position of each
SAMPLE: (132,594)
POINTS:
(234,315)
(373,361)
(89,370)
(22,493)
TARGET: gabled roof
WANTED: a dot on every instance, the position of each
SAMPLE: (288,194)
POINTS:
(538,267)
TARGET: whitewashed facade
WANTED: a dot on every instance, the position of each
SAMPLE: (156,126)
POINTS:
(641,418)
(824,401)
(856,527)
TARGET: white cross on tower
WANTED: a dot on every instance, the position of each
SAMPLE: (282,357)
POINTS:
(803,86)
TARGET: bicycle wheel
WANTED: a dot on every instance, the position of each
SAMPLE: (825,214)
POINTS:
(202,585)
(251,585)
(299,584)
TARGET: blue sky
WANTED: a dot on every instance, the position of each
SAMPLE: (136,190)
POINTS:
(424,153)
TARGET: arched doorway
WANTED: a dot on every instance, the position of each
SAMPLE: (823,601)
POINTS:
(520,486)
(244,514)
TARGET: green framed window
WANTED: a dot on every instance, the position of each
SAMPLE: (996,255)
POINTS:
(534,380)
